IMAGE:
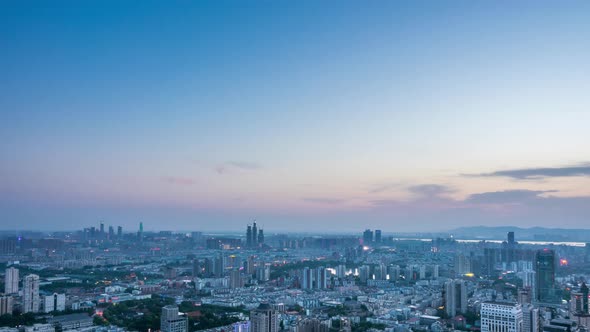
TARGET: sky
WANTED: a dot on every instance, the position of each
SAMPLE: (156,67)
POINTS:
(304,115)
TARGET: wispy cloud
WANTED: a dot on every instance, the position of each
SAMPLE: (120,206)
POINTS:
(178,180)
(229,166)
(430,190)
(244,165)
(384,187)
(507,196)
(322,200)
(540,173)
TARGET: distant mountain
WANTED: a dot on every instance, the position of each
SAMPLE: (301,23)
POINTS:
(530,234)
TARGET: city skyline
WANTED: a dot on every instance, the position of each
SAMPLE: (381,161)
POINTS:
(311,116)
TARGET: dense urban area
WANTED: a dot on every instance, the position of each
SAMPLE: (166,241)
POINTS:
(104,279)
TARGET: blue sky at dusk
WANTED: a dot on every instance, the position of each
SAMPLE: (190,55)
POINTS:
(306,115)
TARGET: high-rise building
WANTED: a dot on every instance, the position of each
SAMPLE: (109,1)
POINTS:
(435,271)
(584,290)
(263,272)
(455,297)
(378,236)
(364,273)
(501,317)
(111,233)
(119,232)
(545,276)
(254,235)
(307,282)
(235,279)
(8,246)
(54,302)
(579,301)
(249,236)
(530,318)
(264,319)
(394,271)
(321,278)
(11,281)
(6,303)
(260,237)
(462,264)
(140,233)
(242,327)
(510,238)
(102,228)
(31,293)
(173,321)
(367,237)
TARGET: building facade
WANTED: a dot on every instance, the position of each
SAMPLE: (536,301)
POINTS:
(264,319)
(455,297)
(173,321)
(11,281)
(501,317)
(6,305)
(31,293)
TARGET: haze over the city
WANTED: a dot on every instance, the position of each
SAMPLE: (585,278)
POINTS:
(306,116)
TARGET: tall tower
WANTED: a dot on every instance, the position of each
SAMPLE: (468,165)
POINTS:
(307,282)
(254,233)
(102,228)
(119,232)
(31,293)
(249,236)
(545,275)
(264,319)
(11,281)
(260,236)
(140,233)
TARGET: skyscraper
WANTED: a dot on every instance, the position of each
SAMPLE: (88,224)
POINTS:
(111,233)
(254,235)
(455,297)
(249,236)
(545,276)
(260,237)
(102,228)
(367,237)
(173,321)
(11,281)
(378,236)
(119,232)
(501,317)
(307,282)
(31,293)
(264,319)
